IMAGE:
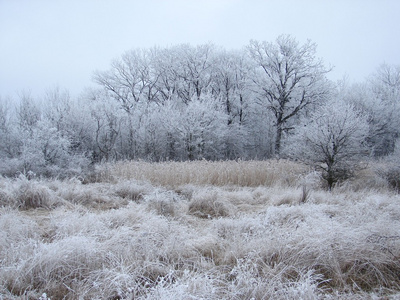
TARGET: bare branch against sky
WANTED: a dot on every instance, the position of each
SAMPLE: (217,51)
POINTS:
(44,43)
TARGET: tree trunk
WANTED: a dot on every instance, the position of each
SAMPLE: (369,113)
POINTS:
(278,139)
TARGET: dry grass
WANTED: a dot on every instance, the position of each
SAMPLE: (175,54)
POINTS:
(240,173)
(5,199)
(209,204)
(164,203)
(33,196)
(150,236)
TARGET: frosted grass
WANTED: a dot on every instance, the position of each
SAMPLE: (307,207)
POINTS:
(240,173)
(156,237)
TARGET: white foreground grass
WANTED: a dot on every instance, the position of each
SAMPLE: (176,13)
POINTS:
(199,230)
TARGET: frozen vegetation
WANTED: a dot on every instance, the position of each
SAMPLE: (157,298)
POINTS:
(183,103)
(172,180)
(200,230)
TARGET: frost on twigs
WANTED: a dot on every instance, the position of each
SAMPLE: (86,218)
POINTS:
(333,141)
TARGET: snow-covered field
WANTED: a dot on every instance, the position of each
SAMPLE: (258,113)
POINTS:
(199,230)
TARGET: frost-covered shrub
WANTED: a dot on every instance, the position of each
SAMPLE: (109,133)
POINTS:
(10,167)
(46,151)
(198,129)
(333,140)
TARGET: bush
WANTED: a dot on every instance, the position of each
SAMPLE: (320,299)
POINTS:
(332,141)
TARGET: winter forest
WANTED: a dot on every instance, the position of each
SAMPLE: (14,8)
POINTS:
(196,172)
(268,100)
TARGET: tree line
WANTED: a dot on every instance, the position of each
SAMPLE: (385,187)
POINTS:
(267,100)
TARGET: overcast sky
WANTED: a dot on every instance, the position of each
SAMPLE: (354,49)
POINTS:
(48,43)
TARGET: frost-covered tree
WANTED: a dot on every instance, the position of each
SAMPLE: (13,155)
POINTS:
(384,108)
(131,79)
(44,151)
(106,117)
(153,133)
(231,83)
(198,129)
(8,133)
(148,83)
(58,107)
(41,138)
(332,140)
(230,86)
(288,79)
(28,112)
(193,70)
(379,98)
(386,82)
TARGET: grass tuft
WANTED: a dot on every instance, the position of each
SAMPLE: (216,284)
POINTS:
(132,190)
(31,194)
(209,204)
(163,203)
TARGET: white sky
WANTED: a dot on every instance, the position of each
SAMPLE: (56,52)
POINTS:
(47,43)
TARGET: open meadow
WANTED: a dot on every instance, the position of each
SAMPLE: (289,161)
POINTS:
(199,230)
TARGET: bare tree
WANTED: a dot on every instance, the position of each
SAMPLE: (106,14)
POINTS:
(230,83)
(386,82)
(131,79)
(191,71)
(28,112)
(106,117)
(290,78)
(9,137)
(333,140)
